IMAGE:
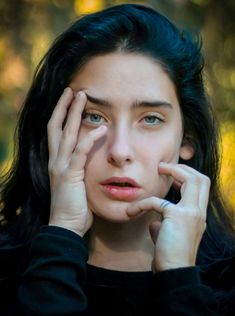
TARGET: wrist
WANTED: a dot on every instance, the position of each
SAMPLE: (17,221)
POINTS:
(66,226)
(163,266)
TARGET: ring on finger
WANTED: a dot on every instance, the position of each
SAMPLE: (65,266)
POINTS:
(164,204)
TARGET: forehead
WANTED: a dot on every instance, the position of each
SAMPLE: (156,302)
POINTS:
(123,77)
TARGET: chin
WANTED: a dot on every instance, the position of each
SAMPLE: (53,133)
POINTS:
(115,213)
(114,219)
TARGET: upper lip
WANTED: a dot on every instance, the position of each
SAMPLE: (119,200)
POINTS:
(127,180)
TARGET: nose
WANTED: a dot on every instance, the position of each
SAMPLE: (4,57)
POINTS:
(120,149)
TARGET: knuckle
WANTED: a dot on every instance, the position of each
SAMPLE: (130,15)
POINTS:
(78,148)
(69,137)
(49,126)
(205,227)
(55,170)
(50,166)
(152,200)
(195,179)
(207,180)
(81,148)
(200,218)
(67,133)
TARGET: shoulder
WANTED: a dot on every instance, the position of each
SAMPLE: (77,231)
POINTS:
(220,276)
(13,260)
(219,273)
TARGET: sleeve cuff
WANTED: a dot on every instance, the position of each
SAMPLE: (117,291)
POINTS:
(169,280)
(54,240)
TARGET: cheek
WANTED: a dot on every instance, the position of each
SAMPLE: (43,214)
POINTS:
(171,154)
(171,148)
(164,149)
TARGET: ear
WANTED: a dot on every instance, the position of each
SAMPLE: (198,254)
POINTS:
(186,150)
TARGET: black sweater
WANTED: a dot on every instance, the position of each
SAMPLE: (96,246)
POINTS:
(57,281)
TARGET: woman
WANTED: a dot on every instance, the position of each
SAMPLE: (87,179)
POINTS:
(112,205)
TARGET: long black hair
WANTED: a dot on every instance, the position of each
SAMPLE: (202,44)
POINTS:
(128,28)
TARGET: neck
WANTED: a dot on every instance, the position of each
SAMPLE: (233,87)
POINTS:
(122,246)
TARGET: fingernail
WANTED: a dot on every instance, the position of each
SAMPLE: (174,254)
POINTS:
(103,128)
(80,94)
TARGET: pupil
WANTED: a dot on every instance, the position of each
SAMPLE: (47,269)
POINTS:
(150,119)
(95,117)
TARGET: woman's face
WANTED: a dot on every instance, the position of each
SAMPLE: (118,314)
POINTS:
(133,96)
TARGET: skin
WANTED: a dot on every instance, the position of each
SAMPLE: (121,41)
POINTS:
(142,142)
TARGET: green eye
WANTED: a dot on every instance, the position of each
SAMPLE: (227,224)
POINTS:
(93,118)
(152,120)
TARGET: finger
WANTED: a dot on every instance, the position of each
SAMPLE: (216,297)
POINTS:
(204,193)
(179,172)
(80,153)
(203,185)
(75,114)
(190,179)
(61,108)
(154,229)
(70,132)
(177,185)
(149,204)
(54,127)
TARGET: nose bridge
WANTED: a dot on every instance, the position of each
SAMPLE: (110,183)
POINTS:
(120,144)
(120,135)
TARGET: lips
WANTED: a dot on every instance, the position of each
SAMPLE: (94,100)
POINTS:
(121,181)
(121,188)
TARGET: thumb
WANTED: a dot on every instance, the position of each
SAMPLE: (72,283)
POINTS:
(154,229)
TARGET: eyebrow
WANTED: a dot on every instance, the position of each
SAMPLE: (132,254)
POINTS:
(135,104)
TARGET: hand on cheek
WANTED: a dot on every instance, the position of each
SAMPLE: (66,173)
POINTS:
(178,236)
(67,160)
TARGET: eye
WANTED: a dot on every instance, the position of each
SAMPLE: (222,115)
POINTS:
(152,120)
(93,118)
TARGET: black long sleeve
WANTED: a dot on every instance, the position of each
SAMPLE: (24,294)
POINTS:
(52,283)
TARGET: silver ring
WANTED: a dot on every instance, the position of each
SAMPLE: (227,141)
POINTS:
(164,204)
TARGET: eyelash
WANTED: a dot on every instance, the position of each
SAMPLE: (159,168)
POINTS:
(85,115)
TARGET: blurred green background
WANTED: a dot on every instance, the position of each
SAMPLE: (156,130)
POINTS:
(28,27)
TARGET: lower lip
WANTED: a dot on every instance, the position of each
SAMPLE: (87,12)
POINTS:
(121,193)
